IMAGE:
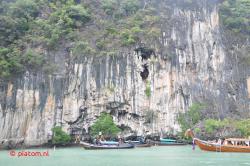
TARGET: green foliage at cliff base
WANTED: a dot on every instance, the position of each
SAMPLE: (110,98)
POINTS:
(60,137)
(193,119)
(106,125)
(242,126)
(190,118)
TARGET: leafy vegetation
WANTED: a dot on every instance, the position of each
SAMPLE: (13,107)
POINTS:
(212,125)
(129,29)
(105,125)
(243,126)
(9,61)
(32,59)
(119,9)
(61,24)
(148,89)
(60,137)
(82,48)
(235,18)
(15,20)
(235,15)
(31,28)
(84,28)
(109,6)
(191,117)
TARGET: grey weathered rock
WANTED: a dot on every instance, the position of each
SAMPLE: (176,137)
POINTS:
(197,70)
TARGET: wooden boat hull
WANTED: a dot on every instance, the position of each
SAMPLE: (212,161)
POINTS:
(142,145)
(157,143)
(171,144)
(103,147)
(207,146)
(138,144)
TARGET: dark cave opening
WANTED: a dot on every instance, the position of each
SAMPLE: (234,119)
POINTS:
(145,52)
(82,109)
(125,127)
(135,116)
(144,74)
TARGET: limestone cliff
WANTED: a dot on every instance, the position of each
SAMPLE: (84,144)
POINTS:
(196,68)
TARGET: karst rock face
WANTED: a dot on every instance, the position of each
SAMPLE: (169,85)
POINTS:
(197,68)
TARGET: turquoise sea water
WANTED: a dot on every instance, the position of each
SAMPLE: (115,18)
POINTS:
(154,156)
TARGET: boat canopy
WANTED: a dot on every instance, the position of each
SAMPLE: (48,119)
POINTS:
(167,140)
(237,139)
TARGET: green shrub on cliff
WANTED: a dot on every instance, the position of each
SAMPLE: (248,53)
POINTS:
(211,125)
(32,60)
(78,13)
(109,6)
(242,126)
(10,62)
(120,8)
(70,16)
(191,117)
(106,125)
(24,9)
(82,48)
(49,26)
(148,89)
(15,20)
(235,15)
(130,6)
(127,38)
(60,137)
(28,24)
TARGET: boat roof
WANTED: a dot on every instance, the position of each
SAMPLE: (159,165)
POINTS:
(167,140)
(237,139)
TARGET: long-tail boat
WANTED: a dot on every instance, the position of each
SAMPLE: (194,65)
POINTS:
(158,143)
(167,142)
(228,145)
(89,146)
(138,144)
(143,145)
(109,142)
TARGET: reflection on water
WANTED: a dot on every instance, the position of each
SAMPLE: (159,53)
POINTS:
(154,156)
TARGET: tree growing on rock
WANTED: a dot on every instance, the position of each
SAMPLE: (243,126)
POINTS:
(190,118)
(60,137)
(106,125)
